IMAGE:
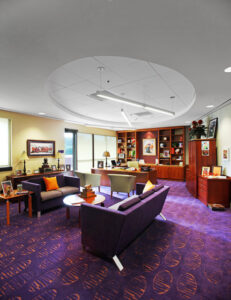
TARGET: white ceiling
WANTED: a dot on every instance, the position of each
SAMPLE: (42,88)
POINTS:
(41,39)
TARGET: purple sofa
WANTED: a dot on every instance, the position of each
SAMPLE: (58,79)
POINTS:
(108,231)
(42,200)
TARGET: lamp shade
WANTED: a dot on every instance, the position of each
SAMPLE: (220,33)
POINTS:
(106,154)
(58,155)
(24,156)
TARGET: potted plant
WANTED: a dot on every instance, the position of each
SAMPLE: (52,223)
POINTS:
(197,129)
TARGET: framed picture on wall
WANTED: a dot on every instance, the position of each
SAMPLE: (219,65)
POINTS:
(149,147)
(212,129)
(40,148)
(225,153)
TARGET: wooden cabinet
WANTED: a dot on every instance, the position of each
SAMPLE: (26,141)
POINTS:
(198,159)
(214,190)
(164,146)
(169,172)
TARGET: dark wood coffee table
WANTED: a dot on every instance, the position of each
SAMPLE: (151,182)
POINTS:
(75,200)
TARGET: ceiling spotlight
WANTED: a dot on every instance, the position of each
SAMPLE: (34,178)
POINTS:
(126,117)
(172,97)
(227,70)
(210,106)
(109,96)
(41,113)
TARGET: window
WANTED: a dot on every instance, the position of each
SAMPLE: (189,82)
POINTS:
(70,137)
(5,149)
(85,153)
(101,144)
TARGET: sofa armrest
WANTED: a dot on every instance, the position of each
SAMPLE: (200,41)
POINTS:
(36,188)
(72,181)
(139,188)
(101,229)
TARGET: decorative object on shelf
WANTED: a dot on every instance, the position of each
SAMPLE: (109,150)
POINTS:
(23,158)
(53,167)
(7,188)
(87,192)
(205,171)
(40,148)
(19,187)
(205,148)
(212,129)
(106,154)
(120,141)
(165,138)
(45,166)
(68,167)
(217,170)
(197,130)
(100,163)
(121,155)
(18,172)
(166,153)
(149,147)
(225,153)
(62,167)
(58,156)
(36,171)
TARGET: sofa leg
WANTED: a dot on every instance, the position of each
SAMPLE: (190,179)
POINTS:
(163,217)
(38,214)
(118,263)
(111,193)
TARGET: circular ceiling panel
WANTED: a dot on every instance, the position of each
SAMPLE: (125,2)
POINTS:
(97,89)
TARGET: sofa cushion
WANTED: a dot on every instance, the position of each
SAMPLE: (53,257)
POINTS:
(51,183)
(67,190)
(158,187)
(129,204)
(50,195)
(146,194)
(117,205)
(148,186)
(60,180)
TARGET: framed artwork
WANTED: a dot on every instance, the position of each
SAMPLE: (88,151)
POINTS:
(68,167)
(7,188)
(225,153)
(212,129)
(217,170)
(100,164)
(53,167)
(121,155)
(62,167)
(149,147)
(40,148)
(205,171)
(166,153)
(18,172)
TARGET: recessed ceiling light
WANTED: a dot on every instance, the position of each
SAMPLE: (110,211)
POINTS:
(227,70)
(41,113)
(209,106)
(172,97)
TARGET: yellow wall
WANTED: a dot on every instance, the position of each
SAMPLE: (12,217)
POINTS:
(26,127)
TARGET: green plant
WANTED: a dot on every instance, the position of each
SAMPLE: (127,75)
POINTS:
(197,129)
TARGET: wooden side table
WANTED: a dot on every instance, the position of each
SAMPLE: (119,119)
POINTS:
(13,196)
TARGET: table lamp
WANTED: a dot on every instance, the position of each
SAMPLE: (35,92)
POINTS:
(106,154)
(23,158)
(58,156)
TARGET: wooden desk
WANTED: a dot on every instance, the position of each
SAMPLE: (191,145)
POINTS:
(18,197)
(214,190)
(141,176)
(17,179)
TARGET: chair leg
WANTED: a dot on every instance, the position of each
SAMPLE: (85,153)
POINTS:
(99,188)
(111,193)
(38,214)
(163,217)
(117,262)
(128,195)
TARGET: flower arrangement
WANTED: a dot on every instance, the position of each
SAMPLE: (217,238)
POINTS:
(197,129)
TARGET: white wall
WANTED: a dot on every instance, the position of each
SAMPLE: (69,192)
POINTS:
(223,136)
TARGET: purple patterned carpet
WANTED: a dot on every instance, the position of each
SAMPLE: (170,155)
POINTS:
(186,257)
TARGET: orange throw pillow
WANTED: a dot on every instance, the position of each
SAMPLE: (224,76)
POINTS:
(51,183)
(148,186)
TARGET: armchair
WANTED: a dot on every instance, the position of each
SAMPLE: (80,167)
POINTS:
(88,178)
(122,183)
